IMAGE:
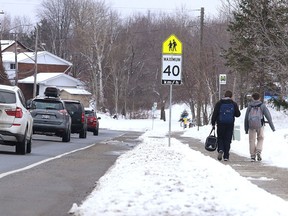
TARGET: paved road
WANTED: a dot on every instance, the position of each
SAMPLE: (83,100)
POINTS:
(277,178)
(46,147)
(51,188)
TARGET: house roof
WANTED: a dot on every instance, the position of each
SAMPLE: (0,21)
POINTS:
(76,91)
(7,43)
(44,77)
(43,57)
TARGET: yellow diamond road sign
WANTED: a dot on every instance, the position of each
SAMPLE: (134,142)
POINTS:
(172,45)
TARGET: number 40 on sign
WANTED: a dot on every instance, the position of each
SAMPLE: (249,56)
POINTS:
(171,69)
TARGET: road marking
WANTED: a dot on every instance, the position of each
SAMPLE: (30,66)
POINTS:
(42,162)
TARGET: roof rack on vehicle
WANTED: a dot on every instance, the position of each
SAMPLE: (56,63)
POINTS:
(52,92)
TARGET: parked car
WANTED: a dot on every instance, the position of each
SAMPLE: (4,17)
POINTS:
(92,121)
(50,115)
(15,120)
(79,122)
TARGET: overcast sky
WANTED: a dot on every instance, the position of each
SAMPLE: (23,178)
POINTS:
(125,7)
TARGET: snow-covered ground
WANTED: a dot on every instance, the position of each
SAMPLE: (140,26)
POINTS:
(155,179)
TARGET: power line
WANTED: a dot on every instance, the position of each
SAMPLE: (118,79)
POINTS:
(27,2)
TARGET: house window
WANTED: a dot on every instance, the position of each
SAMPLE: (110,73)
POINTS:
(12,66)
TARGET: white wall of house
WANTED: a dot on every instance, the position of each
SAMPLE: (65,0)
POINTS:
(8,59)
(10,72)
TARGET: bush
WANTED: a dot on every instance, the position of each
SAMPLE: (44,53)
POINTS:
(279,103)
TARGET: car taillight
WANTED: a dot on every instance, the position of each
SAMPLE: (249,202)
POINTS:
(83,118)
(63,112)
(17,113)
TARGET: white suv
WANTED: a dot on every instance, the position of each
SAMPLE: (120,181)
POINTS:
(16,121)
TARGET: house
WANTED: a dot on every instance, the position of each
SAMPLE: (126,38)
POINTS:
(24,64)
(8,50)
(76,94)
(21,64)
(10,46)
(70,87)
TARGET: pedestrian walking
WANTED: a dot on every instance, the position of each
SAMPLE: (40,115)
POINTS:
(223,116)
(184,119)
(254,125)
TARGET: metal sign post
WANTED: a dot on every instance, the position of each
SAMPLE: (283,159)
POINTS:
(154,107)
(170,114)
(171,67)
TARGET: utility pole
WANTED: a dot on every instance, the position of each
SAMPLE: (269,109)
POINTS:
(199,103)
(201,30)
(16,59)
(36,67)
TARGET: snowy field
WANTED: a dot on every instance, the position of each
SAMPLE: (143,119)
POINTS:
(155,179)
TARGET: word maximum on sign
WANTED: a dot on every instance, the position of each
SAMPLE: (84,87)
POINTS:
(171,69)
(170,58)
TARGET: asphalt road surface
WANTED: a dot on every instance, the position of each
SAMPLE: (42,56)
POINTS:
(45,147)
(51,188)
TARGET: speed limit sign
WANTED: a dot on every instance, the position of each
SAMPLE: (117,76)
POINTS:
(171,60)
(171,69)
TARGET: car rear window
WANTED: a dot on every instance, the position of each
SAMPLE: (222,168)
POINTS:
(74,107)
(7,97)
(42,104)
(89,113)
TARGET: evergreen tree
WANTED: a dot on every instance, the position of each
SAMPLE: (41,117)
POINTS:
(258,35)
(3,76)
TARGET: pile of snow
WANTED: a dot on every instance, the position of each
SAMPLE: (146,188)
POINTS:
(157,179)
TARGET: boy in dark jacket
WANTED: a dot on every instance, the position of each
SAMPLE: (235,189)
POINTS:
(225,127)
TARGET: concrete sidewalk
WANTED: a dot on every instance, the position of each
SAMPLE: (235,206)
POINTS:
(272,179)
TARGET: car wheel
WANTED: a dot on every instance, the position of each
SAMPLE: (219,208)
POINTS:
(95,132)
(21,146)
(67,135)
(83,133)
